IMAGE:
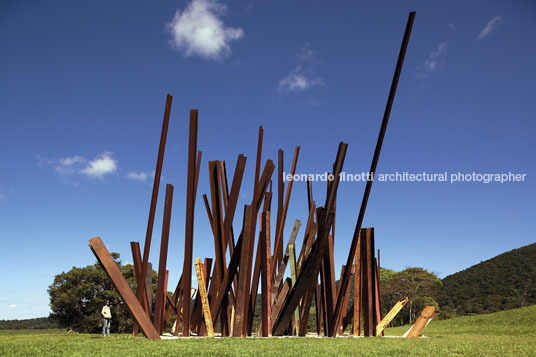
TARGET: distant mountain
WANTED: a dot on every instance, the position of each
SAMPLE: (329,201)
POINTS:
(38,323)
(504,282)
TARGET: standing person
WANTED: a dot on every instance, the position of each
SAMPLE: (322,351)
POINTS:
(106,318)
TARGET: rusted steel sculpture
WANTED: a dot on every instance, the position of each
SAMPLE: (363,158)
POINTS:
(228,293)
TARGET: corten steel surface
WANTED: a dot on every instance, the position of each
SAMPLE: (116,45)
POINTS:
(427,314)
(204,299)
(276,307)
(356,329)
(372,171)
(175,298)
(279,232)
(149,286)
(136,259)
(369,274)
(189,226)
(242,295)
(154,197)
(328,284)
(312,264)
(160,289)
(132,303)
(266,281)
(340,324)
(391,315)
(318,306)
(308,237)
(280,202)
(217,220)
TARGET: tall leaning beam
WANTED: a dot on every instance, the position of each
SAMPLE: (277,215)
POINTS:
(189,227)
(376,157)
(160,289)
(110,267)
(152,208)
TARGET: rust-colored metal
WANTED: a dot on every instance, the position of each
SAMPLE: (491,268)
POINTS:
(312,264)
(136,258)
(278,255)
(283,294)
(356,330)
(189,226)
(372,171)
(369,284)
(342,326)
(154,197)
(279,233)
(109,265)
(266,281)
(160,288)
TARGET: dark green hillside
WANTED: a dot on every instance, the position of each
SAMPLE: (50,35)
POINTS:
(504,282)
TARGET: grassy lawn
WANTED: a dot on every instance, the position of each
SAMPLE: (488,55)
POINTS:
(510,333)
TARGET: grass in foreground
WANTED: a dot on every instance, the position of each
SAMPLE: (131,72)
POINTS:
(509,333)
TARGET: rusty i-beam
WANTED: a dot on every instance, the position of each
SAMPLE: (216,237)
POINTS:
(110,267)
(376,157)
(160,289)
(189,227)
(152,208)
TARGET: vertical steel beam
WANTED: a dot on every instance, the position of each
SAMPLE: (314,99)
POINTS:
(160,290)
(154,197)
(189,227)
(279,237)
(266,281)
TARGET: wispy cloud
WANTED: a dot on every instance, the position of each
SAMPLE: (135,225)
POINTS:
(199,30)
(301,77)
(490,26)
(12,306)
(139,176)
(102,165)
(452,27)
(435,61)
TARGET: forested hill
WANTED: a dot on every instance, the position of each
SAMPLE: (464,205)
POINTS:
(504,282)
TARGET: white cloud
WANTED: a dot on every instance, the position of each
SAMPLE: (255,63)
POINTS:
(199,30)
(434,61)
(301,77)
(99,167)
(452,27)
(490,26)
(12,306)
(140,176)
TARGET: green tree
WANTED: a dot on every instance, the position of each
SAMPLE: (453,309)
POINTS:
(419,285)
(77,297)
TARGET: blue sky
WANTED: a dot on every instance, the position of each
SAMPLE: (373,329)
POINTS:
(83,85)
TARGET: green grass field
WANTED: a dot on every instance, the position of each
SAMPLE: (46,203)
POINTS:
(509,333)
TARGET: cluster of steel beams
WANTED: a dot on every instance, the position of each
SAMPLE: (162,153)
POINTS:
(227,294)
